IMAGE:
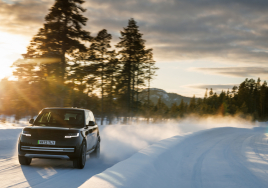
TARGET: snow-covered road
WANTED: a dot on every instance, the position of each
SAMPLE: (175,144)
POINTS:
(219,157)
(223,157)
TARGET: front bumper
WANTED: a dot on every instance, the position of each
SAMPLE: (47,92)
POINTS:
(49,149)
(48,152)
(69,147)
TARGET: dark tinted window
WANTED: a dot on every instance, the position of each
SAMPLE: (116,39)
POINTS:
(61,118)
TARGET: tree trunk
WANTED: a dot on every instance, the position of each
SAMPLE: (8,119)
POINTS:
(148,97)
(102,90)
(63,63)
(129,93)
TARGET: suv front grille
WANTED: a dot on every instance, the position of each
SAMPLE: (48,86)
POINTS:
(48,135)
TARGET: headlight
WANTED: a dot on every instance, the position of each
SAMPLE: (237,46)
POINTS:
(26,133)
(70,135)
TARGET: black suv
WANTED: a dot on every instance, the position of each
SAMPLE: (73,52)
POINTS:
(69,133)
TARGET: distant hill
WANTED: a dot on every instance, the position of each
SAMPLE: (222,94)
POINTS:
(167,98)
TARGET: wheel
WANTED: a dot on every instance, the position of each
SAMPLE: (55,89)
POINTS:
(81,160)
(96,152)
(25,160)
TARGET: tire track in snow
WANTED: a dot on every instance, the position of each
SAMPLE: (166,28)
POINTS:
(220,157)
(193,151)
(214,159)
(197,169)
(256,146)
(244,177)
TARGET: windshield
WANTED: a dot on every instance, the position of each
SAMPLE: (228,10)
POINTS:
(61,118)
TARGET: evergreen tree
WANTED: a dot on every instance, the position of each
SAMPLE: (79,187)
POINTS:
(174,111)
(149,73)
(182,108)
(211,92)
(111,74)
(64,33)
(263,101)
(135,60)
(25,71)
(61,35)
(200,106)
(206,94)
(100,56)
(192,105)
(161,109)
(243,108)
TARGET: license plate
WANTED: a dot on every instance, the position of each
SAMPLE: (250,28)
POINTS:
(47,142)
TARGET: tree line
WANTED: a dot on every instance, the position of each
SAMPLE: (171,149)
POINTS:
(249,99)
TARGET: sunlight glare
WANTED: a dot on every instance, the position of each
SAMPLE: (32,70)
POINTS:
(11,48)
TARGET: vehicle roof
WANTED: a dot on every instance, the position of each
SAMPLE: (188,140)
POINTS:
(66,108)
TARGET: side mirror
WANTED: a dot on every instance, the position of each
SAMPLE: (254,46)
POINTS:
(31,121)
(91,123)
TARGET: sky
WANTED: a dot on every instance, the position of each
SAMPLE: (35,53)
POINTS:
(197,44)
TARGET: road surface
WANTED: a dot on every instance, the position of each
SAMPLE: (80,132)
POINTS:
(220,157)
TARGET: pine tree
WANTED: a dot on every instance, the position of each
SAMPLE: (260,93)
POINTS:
(64,33)
(25,71)
(244,108)
(61,35)
(211,92)
(111,74)
(206,94)
(100,56)
(182,108)
(149,72)
(199,106)
(135,60)
(263,100)
(256,97)
(161,109)
(192,104)
(174,110)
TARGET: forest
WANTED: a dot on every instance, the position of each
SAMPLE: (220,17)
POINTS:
(67,67)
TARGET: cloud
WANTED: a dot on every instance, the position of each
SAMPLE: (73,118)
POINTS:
(236,71)
(23,17)
(214,86)
(232,30)
(179,30)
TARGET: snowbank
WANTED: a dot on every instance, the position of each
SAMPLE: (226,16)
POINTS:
(204,159)
(150,167)
(118,142)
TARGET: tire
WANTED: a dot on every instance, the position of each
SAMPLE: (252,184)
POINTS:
(96,152)
(81,160)
(24,160)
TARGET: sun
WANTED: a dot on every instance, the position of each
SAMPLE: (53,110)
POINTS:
(11,48)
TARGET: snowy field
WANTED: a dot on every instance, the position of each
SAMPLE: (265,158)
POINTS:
(192,153)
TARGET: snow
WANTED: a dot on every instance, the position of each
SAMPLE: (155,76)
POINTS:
(221,157)
(140,170)
(10,122)
(151,155)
